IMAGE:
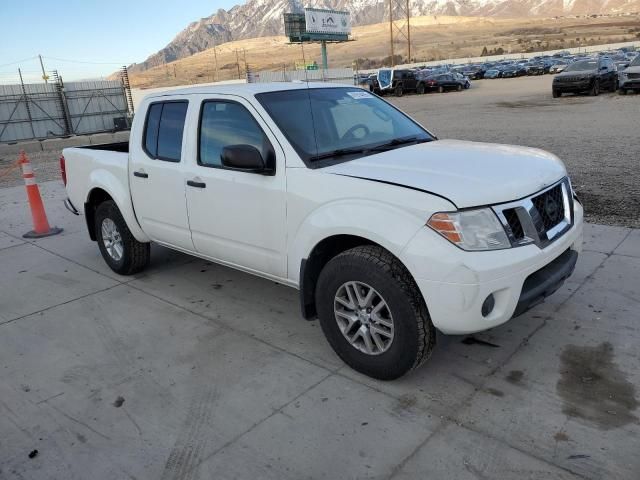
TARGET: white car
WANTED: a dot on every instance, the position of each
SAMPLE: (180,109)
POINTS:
(387,232)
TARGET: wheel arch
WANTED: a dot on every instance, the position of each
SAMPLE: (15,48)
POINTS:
(105,188)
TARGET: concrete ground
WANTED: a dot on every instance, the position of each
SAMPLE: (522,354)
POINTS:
(195,371)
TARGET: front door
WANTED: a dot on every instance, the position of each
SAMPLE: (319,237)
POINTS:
(156,175)
(237,217)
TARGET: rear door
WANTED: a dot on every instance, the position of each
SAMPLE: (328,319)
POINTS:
(156,174)
(236,217)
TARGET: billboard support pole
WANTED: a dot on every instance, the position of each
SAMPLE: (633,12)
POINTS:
(325,59)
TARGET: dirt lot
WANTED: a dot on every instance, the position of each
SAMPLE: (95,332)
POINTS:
(597,137)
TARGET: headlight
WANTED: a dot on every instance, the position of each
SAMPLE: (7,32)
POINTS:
(471,229)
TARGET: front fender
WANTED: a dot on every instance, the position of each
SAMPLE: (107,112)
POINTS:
(389,226)
(107,181)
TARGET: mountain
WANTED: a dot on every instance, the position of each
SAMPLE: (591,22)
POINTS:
(258,18)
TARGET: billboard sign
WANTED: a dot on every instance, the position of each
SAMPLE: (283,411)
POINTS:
(327,21)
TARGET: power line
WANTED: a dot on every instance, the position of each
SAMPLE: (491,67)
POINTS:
(81,61)
(18,61)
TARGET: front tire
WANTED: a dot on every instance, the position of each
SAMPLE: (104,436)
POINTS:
(595,89)
(399,91)
(440,89)
(420,90)
(556,93)
(119,248)
(366,293)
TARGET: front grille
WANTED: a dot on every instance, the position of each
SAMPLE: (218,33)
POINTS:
(633,75)
(514,223)
(539,219)
(550,207)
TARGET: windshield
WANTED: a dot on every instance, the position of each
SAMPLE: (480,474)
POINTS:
(636,62)
(582,66)
(342,123)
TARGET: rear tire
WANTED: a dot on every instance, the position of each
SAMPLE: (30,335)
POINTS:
(420,90)
(556,94)
(459,88)
(119,248)
(440,89)
(412,333)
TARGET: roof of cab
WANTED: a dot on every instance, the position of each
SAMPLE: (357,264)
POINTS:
(243,89)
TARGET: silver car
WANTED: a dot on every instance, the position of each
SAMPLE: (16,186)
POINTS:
(629,78)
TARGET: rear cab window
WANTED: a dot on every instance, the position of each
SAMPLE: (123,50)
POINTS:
(164,129)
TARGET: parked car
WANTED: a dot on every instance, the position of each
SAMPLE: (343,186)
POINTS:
(558,66)
(586,76)
(629,78)
(466,83)
(510,71)
(398,81)
(443,83)
(535,69)
(387,232)
(493,73)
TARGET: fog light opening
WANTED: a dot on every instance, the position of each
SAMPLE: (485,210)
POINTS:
(487,306)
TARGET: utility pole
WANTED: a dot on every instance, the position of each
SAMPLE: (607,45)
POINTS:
(238,63)
(401,27)
(45,77)
(215,56)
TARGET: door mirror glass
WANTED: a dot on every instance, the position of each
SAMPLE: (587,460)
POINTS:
(243,157)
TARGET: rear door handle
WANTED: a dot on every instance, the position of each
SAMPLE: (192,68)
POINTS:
(194,184)
(140,174)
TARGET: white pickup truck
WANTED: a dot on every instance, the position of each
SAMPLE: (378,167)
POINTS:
(387,232)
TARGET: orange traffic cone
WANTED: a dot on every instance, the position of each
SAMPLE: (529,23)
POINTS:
(40,223)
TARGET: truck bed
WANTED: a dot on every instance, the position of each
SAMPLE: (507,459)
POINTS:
(122,147)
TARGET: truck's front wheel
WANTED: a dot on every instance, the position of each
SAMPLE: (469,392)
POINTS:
(119,248)
(372,313)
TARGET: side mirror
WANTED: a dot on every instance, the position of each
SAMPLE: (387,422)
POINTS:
(245,158)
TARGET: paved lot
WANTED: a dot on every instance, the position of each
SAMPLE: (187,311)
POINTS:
(195,371)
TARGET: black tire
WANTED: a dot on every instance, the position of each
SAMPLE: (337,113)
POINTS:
(420,89)
(414,333)
(622,91)
(556,93)
(399,91)
(595,89)
(459,88)
(614,86)
(440,89)
(135,255)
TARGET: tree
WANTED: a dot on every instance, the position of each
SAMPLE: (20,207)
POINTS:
(484,52)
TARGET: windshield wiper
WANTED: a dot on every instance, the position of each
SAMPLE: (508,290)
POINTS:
(396,142)
(341,152)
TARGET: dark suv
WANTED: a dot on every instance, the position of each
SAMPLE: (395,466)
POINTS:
(586,76)
(398,81)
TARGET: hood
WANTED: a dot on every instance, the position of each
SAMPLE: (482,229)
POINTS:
(468,174)
(634,69)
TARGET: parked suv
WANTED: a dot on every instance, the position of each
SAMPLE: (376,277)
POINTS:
(586,76)
(398,81)
(629,78)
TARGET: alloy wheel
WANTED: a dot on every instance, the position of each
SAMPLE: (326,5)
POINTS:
(112,239)
(364,318)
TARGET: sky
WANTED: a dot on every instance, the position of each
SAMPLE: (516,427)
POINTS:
(109,34)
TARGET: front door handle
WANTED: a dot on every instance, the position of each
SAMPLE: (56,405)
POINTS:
(195,184)
(140,174)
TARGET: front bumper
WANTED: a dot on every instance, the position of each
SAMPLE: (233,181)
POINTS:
(455,283)
(573,87)
(630,83)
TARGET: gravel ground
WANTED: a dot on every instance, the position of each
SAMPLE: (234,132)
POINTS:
(597,137)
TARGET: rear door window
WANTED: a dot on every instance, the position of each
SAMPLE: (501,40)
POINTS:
(164,130)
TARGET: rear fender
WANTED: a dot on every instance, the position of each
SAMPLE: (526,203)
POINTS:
(108,182)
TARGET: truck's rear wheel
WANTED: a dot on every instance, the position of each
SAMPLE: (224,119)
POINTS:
(372,313)
(119,248)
